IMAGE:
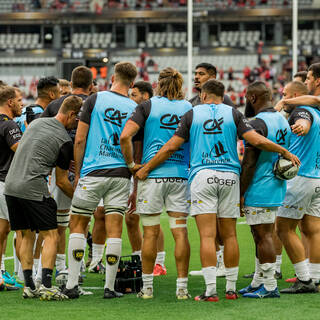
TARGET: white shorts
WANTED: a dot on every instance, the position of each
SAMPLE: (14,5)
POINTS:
(156,193)
(302,197)
(90,190)
(215,192)
(4,214)
(63,202)
(258,215)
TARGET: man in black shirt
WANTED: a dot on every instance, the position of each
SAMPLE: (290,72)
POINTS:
(10,135)
(204,72)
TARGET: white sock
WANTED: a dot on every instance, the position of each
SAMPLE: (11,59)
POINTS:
(20,272)
(15,258)
(38,276)
(137,253)
(257,278)
(314,269)
(77,241)
(113,254)
(35,268)
(302,271)
(147,280)
(278,263)
(182,283)
(269,280)
(97,253)
(161,258)
(218,254)
(210,278)
(231,277)
(60,262)
(3,268)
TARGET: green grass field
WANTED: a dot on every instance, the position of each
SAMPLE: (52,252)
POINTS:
(164,305)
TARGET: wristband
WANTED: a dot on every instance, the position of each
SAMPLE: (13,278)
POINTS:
(131,165)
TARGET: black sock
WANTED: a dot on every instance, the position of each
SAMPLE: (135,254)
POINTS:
(28,279)
(47,277)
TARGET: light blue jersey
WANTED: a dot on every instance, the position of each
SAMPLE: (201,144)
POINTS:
(307,147)
(213,139)
(20,120)
(108,118)
(159,127)
(265,190)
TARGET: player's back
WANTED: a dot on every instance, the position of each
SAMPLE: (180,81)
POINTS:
(108,116)
(159,127)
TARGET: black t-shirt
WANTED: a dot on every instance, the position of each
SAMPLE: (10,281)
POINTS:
(226,100)
(300,113)
(183,130)
(10,134)
(53,108)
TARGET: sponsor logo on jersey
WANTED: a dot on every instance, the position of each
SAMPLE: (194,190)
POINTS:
(169,121)
(114,116)
(213,126)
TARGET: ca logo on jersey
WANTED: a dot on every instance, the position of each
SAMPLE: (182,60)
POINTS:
(114,116)
(213,126)
(169,121)
(281,136)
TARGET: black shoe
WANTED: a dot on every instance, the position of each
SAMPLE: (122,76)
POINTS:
(108,294)
(278,275)
(71,293)
(248,275)
(301,287)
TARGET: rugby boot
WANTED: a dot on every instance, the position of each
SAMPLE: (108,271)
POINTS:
(211,298)
(248,289)
(301,287)
(262,292)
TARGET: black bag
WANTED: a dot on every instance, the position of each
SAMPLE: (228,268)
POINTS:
(129,275)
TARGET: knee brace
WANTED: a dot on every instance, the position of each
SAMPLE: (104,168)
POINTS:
(177,222)
(150,220)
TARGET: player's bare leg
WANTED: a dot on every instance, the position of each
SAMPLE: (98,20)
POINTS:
(159,268)
(134,232)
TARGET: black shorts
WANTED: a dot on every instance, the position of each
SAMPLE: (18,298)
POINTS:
(32,215)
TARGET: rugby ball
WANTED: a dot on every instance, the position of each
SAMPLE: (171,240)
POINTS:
(284,169)
(62,278)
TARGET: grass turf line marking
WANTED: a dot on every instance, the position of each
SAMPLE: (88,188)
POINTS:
(8,258)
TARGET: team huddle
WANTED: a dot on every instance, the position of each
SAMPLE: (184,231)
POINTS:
(126,153)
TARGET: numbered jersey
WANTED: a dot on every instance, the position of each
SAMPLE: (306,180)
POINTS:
(212,131)
(160,117)
(106,113)
(265,190)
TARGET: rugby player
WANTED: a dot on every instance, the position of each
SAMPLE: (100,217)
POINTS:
(303,203)
(101,172)
(204,72)
(65,87)
(141,92)
(47,91)
(212,129)
(81,83)
(10,135)
(256,176)
(45,145)
(166,186)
